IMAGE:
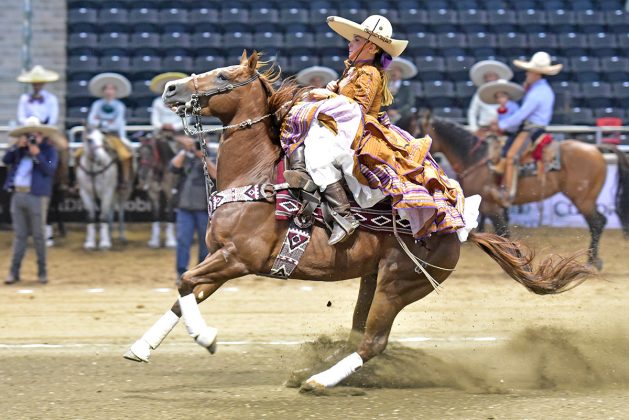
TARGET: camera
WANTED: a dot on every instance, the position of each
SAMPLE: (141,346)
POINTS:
(197,145)
(32,139)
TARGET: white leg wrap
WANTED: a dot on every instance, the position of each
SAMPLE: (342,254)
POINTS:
(140,351)
(171,239)
(337,373)
(105,239)
(204,336)
(155,231)
(90,236)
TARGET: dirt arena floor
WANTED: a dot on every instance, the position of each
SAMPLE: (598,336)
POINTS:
(484,348)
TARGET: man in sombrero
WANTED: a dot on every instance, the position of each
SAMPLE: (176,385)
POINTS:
(316,76)
(403,104)
(341,133)
(481,114)
(32,161)
(44,105)
(108,115)
(528,122)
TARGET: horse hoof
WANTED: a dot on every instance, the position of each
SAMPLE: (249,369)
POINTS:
(89,246)
(596,263)
(311,386)
(104,247)
(171,244)
(139,352)
(153,244)
(207,339)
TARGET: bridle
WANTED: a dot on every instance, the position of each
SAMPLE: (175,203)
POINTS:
(193,108)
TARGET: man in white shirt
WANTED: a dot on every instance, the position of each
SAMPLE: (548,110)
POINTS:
(40,103)
(480,115)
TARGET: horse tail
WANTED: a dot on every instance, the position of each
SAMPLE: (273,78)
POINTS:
(556,274)
(622,193)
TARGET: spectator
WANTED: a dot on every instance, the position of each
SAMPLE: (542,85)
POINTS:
(45,106)
(480,115)
(191,205)
(33,161)
(316,76)
(403,96)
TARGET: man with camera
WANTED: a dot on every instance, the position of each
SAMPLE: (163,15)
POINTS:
(33,161)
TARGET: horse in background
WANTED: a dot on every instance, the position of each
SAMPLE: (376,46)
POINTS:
(158,183)
(97,177)
(581,177)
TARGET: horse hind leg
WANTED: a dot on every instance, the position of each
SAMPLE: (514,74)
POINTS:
(596,223)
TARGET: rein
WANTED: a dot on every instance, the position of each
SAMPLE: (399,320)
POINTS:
(474,167)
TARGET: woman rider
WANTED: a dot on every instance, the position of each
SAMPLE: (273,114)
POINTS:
(340,132)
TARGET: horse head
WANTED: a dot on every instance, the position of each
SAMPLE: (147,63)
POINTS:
(225,93)
(94,143)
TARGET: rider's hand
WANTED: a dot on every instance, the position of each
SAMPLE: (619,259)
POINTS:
(33,149)
(320,94)
(168,127)
(494,127)
(333,86)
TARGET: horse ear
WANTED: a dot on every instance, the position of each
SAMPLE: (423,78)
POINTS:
(243,58)
(253,61)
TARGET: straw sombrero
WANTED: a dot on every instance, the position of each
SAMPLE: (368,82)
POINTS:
(540,63)
(98,82)
(159,82)
(478,70)
(38,74)
(33,125)
(327,74)
(409,70)
(377,28)
(487,92)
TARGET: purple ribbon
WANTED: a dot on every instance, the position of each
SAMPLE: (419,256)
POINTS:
(386,60)
(34,99)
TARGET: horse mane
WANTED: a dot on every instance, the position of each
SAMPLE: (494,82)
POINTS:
(462,140)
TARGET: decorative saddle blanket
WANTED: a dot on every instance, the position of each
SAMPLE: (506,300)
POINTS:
(542,156)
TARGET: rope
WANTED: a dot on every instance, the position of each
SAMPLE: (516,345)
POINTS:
(419,263)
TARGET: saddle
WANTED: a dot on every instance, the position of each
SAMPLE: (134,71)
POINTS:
(541,157)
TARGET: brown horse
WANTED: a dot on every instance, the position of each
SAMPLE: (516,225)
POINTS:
(581,177)
(245,238)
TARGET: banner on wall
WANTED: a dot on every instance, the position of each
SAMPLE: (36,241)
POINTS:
(558,210)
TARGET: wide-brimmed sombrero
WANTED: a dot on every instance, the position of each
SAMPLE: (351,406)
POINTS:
(478,70)
(33,125)
(159,82)
(325,73)
(98,82)
(409,70)
(38,74)
(377,28)
(540,63)
(487,92)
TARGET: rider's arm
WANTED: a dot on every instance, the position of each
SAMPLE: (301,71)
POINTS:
(514,121)
(93,120)
(120,123)
(21,109)
(472,113)
(46,161)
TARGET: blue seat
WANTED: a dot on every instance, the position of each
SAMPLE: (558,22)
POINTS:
(531,21)
(115,60)
(543,41)
(298,36)
(609,112)
(463,5)
(473,20)
(353,11)
(439,93)
(85,61)
(524,5)
(430,68)
(234,12)
(146,60)
(329,39)
(583,5)
(421,43)
(263,13)
(610,5)
(443,17)
(300,61)
(414,17)
(268,39)
(113,16)
(175,39)
(597,94)
(294,14)
(552,5)
(201,15)
(458,68)
(173,15)
(572,44)
(465,89)
(602,44)
(501,20)
(452,40)
(204,63)
(114,39)
(436,4)
(584,69)
(614,68)
(581,116)
(142,88)
(86,12)
(561,20)
(77,89)
(82,39)
(178,62)
(206,38)
(335,62)
(512,43)
(238,40)
(145,39)
(320,14)
(143,12)
(617,21)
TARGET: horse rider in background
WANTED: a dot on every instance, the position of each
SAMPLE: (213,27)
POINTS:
(316,76)
(44,105)
(528,122)
(108,115)
(480,114)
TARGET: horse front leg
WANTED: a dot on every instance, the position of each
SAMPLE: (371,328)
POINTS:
(201,282)
(363,305)
(198,284)
(90,229)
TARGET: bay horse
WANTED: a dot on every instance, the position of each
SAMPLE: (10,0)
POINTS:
(97,178)
(245,238)
(581,177)
(154,179)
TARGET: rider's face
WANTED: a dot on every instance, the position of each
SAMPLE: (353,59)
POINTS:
(356,45)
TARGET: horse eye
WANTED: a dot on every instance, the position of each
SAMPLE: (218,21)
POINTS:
(221,77)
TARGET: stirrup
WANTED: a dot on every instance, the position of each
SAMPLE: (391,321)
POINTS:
(343,228)
(300,180)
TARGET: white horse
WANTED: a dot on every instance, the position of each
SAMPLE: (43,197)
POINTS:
(97,177)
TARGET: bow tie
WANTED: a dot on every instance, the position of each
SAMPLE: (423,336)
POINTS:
(34,99)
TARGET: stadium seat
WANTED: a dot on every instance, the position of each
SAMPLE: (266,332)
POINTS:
(542,41)
(115,60)
(452,113)
(329,39)
(562,21)
(178,62)
(320,14)
(205,63)
(572,44)
(238,40)
(421,43)
(175,40)
(416,18)
(206,38)
(85,11)
(77,89)
(473,20)
(580,116)
(458,68)
(268,39)
(173,14)
(443,17)
(142,88)
(597,94)
(465,89)
(201,15)
(146,60)
(552,5)
(263,13)
(112,15)
(298,36)
(83,62)
(531,21)
(466,5)
(617,21)
(143,12)
(82,39)
(621,94)
(602,44)
(430,68)
(452,40)
(584,68)
(609,113)
(502,21)
(114,39)
(438,93)
(293,13)
(512,44)
(614,68)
